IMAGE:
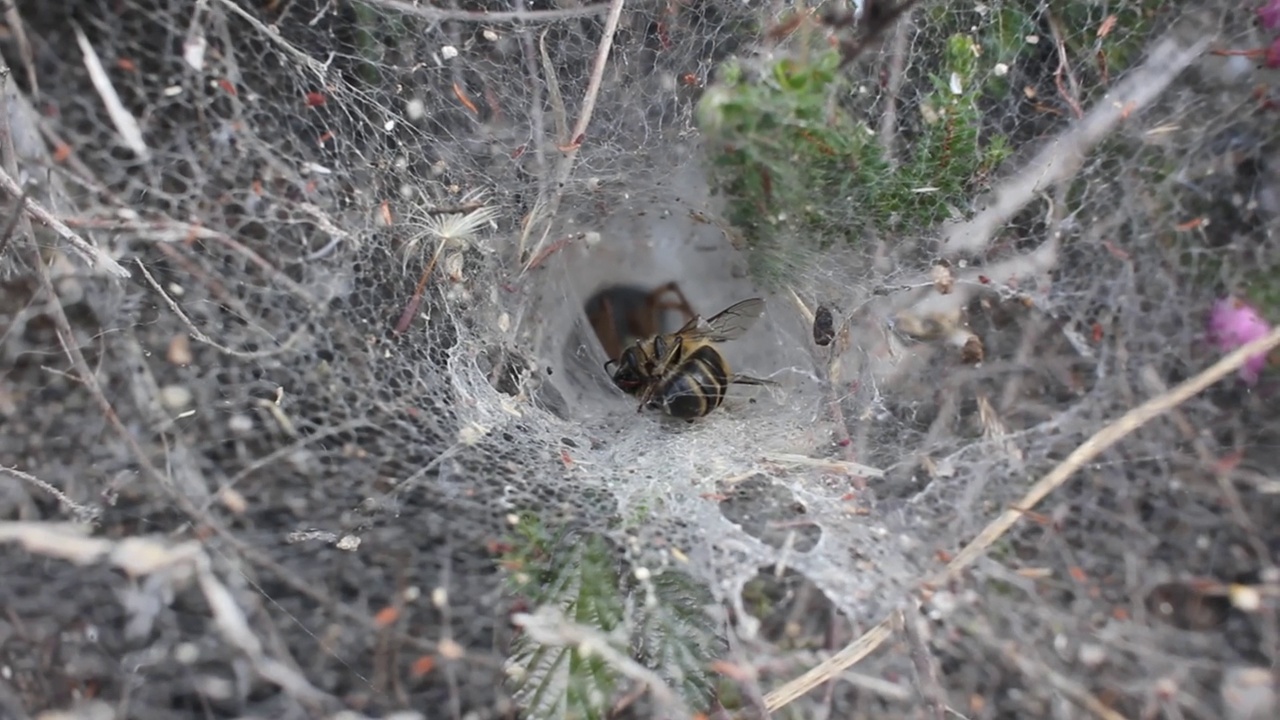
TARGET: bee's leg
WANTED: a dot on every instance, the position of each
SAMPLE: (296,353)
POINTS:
(646,396)
(651,396)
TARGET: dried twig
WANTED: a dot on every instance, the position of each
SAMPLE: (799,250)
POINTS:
(877,17)
(550,250)
(1101,441)
(12,224)
(832,667)
(168,230)
(521,16)
(1062,157)
(1064,67)
(83,513)
(575,140)
(16,26)
(893,88)
(831,382)
(1104,439)
(320,69)
(93,255)
(126,124)
(535,105)
(198,335)
(925,665)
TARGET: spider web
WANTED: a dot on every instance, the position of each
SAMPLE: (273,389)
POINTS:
(351,360)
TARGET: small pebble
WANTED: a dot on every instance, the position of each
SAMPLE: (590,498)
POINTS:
(175,397)
(240,424)
(180,350)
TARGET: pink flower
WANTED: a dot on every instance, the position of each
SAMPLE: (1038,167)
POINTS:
(1233,323)
(1269,15)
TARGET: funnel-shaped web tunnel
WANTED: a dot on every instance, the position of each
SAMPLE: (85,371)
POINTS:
(645,268)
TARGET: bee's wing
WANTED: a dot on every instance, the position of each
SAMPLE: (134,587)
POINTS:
(729,324)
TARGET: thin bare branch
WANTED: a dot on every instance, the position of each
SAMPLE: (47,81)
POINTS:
(19,29)
(925,665)
(578,136)
(893,88)
(91,254)
(83,513)
(1061,158)
(520,16)
(126,124)
(288,343)
(320,69)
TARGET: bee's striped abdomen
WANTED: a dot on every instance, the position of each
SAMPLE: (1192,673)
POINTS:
(698,386)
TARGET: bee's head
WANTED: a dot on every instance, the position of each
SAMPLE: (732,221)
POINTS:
(628,375)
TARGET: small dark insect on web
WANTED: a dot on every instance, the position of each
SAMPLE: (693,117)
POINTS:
(824,328)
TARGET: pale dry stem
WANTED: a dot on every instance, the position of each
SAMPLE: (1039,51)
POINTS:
(83,513)
(491,16)
(578,136)
(831,367)
(91,254)
(1061,158)
(912,627)
(320,69)
(16,25)
(898,48)
(126,124)
(198,335)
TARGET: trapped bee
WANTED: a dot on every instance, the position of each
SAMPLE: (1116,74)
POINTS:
(683,373)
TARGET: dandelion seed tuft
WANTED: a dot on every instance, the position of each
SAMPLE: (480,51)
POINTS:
(442,230)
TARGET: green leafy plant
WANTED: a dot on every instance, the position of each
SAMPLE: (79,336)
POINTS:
(658,620)
(674,635)
(793,157)
(580,578)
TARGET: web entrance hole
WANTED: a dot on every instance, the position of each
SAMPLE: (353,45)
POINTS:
(636,247)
